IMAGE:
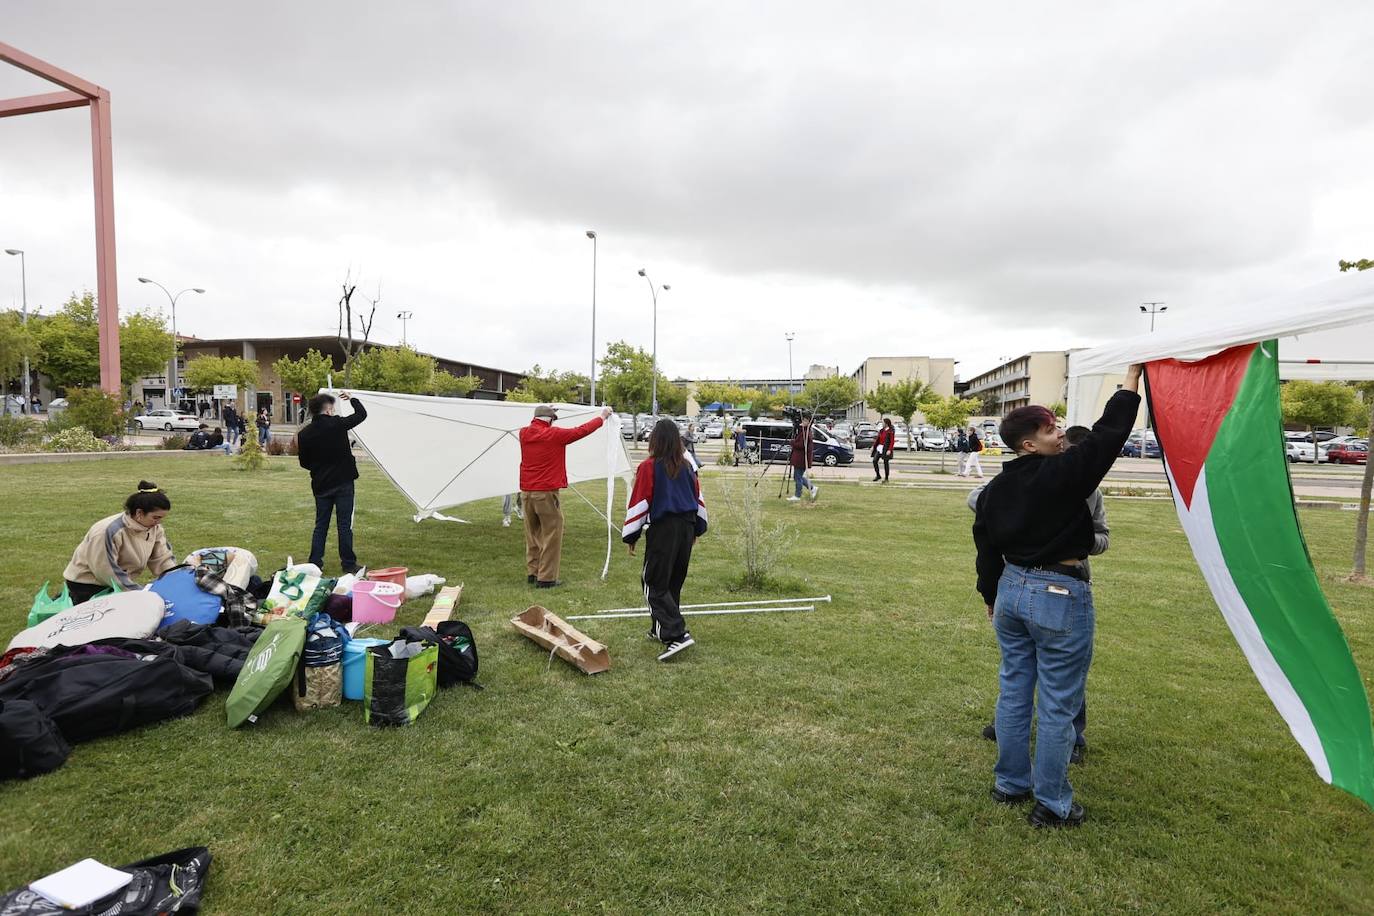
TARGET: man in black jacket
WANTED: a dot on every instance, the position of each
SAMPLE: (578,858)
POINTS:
(326,454)
(1033,530)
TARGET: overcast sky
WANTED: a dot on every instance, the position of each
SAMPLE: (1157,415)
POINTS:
(953,180)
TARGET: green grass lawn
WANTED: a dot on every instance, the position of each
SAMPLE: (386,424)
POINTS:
(792,762)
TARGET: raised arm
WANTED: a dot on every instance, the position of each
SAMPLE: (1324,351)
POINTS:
(359,413)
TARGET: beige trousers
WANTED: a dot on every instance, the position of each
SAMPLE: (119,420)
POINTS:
(543,533)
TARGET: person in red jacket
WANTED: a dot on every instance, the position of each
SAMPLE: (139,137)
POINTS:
(800,460)
(882,449)
(543,472)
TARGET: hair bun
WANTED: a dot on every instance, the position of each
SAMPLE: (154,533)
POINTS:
(146,487)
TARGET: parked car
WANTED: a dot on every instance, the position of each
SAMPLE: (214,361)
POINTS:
(865,434)
(772,439)
(992,444)
(1141,445)
(1322,435)
(933,440)
(1348,453)
(166,419)
(1305,451)
(715,429)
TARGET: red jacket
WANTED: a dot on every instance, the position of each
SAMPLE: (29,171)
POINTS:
(887,438)
(801,456)
(544,452)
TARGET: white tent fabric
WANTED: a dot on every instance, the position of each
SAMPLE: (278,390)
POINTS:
(443,452)
(1305,322)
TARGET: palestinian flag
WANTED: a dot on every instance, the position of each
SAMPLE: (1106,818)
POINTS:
(1220,431)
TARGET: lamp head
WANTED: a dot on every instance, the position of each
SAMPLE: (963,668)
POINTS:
(642,273)
(666,286)
(144,280)
(591,233)
(197,289)
(14,251)
(1164,308)
(1144,309)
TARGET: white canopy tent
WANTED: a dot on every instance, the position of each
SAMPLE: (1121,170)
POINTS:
(443,452)
(1307,324)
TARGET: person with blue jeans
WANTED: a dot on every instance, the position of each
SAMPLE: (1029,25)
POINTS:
(800,460)
(1033,530)
(325,451)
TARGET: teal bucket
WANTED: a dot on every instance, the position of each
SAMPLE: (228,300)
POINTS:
(355,665)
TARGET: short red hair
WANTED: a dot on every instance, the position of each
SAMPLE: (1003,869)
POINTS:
(1024,422)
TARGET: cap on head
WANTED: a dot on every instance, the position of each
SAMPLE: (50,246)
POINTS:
(544,410)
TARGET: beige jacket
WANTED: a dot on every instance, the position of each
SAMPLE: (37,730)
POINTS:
(119,548)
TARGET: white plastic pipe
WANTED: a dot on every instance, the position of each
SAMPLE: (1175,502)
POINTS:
(821,599)
(743,610)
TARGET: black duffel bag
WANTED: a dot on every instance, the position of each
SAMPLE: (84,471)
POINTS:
(171,883)
(30,744)
(457,651)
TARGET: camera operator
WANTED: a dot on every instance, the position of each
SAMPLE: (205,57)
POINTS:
(801,455)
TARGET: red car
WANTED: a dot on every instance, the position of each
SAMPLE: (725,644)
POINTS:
(1350,453)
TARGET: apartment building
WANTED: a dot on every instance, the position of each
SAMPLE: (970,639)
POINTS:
(888,370)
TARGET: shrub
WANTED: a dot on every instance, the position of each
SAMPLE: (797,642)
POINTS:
(276,447)
(17,432)
(98,411)
(250,456)
(760,547)
(174,442)
(76,439)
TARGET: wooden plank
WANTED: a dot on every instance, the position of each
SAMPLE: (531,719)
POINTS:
(563,639)
(445,603)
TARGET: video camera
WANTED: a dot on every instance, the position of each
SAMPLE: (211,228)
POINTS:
(796,415)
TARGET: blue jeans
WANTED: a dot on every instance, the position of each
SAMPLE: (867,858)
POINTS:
(799,475)
(1044,623)
(340,504)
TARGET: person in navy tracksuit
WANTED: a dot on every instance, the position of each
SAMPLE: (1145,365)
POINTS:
(666,501)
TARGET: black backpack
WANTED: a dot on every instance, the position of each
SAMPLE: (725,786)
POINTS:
(90,696)
(457,651)
(170,883)
(30,743)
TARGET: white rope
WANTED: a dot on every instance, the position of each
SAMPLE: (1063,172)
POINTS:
(715,604)
(742,610)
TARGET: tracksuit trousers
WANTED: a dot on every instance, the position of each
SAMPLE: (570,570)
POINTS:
(667,552)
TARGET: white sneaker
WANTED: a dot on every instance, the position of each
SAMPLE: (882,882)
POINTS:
(814,490)
(505,522)
(676,646)
(794,499)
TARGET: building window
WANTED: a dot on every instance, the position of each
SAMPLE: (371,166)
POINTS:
(887,372)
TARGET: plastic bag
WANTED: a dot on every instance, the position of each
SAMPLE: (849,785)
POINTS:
(44,606)
(399,681)
(296,592)
(422,585)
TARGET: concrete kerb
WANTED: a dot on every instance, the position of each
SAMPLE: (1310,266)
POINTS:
(68,457)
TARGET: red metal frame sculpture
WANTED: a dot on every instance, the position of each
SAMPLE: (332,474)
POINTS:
(78,93)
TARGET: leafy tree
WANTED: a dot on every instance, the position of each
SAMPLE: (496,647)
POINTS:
(405,371)
(834,392)
(446,384)
(205,372)
(902,399)
(307,375)
(672,398)
(16,343)
(69,341)
(1059,409)
(989,404)
(1319,404)
(627,379)
(723,393)
(1361,264)
(541,386)
(948,413)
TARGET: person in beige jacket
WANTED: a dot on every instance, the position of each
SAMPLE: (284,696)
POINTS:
(120,547)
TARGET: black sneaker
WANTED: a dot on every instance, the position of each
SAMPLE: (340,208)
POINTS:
(348,570)
(531,579)
(1009,798)
(676,646)
(990,732)
(542,583)
(1041,816)
(1076,755)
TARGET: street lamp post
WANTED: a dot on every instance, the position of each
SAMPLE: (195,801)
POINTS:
(172,375)
(790,401)
(1154,309)
(24,287)
(653,397)
(404,316)
(591,234)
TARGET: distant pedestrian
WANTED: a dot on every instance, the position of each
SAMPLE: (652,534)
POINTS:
(800,460)
(511,501)
(543,472)
(666,503)
(203,406)
(741,444)
(690,440)
(35,405)
(138,408)
(882,450)
(231,424)
(264,426)
(325,452)
(968,445)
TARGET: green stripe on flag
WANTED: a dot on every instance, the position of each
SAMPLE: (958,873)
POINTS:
(1256,525)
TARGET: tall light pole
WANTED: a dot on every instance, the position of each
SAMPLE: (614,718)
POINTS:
(789,335)
(1154,309)
(24,286)
(404,316)
(591,234)
(653,397)
(172,375)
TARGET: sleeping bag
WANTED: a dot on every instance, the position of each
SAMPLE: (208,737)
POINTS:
(135,615)
(185,599)
(267,671)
